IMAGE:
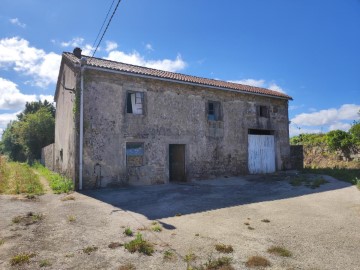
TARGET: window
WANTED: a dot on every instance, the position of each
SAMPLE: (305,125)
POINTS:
(134,102)
(213,111)
(264,111)
(134,154)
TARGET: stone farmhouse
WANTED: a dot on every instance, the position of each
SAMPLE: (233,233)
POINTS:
(122,124)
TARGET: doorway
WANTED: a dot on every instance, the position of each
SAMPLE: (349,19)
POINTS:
(177,163)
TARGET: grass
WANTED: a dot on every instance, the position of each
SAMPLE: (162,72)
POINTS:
(114,245)
(169,255)
(128,266)
(224,248)
(44,263)
(307,181)
(18,178)
(59,184)
(156,228)
(28,219)
(222,263)
(358,183)
(68,198)
(342,174)
(90,249)
(128,232)
(280,251)
(257,261)
(21,258)
(71,218)
(140,245)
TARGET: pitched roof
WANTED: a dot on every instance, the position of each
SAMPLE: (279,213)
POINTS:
(177,77)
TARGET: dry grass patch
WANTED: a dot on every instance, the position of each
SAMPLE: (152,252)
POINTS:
(2,241)
(265,220)
(222,263)
(114,245)
(21,258)
(169,255)
(71,218)
(128,266)
(224,248)
(251,228)
(90,249)
(28,219)
(280,251)
(257,261)
(44,263)
(68,198)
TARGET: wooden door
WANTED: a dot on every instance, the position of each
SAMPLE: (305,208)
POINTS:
(177,163)
(261,154)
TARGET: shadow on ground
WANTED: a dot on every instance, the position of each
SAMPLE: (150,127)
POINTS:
(168,200)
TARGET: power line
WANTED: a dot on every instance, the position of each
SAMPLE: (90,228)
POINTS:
(107,26)
(102,26)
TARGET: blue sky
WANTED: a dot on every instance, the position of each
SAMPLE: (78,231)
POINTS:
(309,49)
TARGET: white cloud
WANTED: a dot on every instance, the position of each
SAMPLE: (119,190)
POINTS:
(340,125)
(5,119)
(49,98)
(110,46)
(149,47)
(252,82)
(260,83)
(10,96)
(325,120)
(328,117)
(136,59)
(17,22)
(275,87)
(75,42)
(41,66)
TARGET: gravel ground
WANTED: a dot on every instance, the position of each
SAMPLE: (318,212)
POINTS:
(321,227)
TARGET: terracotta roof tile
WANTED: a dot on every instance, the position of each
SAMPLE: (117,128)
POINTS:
(127,68)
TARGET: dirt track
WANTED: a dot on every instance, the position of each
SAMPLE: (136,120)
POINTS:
(320,227)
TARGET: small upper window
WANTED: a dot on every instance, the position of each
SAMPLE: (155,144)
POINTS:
(214,111)
(134,154)
(263,111)
(134,102)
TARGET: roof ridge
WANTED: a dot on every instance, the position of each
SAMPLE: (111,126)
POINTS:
(192,78)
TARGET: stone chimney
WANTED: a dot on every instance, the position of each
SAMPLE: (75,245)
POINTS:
(77,52)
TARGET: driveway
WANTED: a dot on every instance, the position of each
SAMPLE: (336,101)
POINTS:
(320,227)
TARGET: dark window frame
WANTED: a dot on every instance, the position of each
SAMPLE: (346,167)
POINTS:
(264,111)
(141,100)
(214,111)
(134,154)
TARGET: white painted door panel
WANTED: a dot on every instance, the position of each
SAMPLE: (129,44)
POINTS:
(261,155)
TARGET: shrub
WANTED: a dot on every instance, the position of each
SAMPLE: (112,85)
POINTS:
(128,232)
(90,249)
(21,258)
(257,261)
(224,248)
(140,245)
(280,251)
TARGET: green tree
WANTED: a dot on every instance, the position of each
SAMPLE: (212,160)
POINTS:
(339,140)
(36,131)
(354,132)
(23,139)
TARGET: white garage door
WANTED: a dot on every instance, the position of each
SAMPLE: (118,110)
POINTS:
(261,154)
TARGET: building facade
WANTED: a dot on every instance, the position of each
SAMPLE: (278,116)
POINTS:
(142,126)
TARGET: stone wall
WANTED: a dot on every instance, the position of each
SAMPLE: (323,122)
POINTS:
(47,156)
(297,157)
(174,113)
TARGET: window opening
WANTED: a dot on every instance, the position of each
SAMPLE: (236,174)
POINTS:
(213,111)
(134,154)
(134,102)
(264,111)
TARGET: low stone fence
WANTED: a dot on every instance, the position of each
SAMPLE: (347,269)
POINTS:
(47,157)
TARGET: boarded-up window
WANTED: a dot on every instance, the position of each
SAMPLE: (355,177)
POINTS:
(134,154)
(135,102)
(264,111)
(214,111)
